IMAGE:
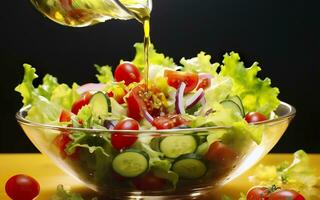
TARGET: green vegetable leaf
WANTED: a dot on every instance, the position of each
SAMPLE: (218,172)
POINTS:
(44,111)
(65,96)
(26,88)
(256,94)
(105,73)
(62,194)
(49,83)
(85,116)
(200,64)
(154,57)
(219,90)
(299,176)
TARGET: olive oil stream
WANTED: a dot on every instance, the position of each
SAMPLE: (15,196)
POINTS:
(80,13)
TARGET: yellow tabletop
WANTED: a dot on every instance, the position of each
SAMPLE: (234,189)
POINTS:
(49,176)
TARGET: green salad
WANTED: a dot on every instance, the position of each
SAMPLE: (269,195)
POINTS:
(195,93)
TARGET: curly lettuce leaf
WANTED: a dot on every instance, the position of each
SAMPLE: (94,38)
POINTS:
(299,176)
(256,94)
(43,111)
(154,57)
(48,99)
(26,88)
(105,73)
(219,90)
(200,64)
(49,84)
(64,96)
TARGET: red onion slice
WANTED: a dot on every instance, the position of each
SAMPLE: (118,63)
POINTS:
(179,104)
(90,87)
(192,101)
(148,117)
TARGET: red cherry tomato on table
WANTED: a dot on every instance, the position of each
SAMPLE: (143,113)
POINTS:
(149,182)
(176,77)
(124,140)
(84,100)
(169,121)
(258,193)
(221,154)
(22,187)
(285,195)
(253,117)
(127,72)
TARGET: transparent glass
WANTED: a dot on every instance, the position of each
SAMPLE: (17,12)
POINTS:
(78,13)
(84,165)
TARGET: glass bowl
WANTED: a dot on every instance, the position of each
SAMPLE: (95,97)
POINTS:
(221,155)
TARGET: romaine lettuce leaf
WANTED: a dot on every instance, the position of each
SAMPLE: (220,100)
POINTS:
(200,64)
(154,57)
(256,94)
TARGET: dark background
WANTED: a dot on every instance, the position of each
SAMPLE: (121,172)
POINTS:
(282,35)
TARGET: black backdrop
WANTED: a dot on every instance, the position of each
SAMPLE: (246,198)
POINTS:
(282,35)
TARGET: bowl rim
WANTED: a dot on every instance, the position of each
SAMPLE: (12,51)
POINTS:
(22,120)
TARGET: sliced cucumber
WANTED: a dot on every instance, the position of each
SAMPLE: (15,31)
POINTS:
(174,146)
(238,101)
(202,149)
(101,105)
(131,163)
(232,105)
(189,166)
(155,143)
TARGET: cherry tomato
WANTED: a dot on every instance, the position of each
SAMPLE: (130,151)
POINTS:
(127,72)
(149,182)
(124,140)
(61,141)
(65,116)
(84,100)
(22,187)
(204,83)
(169,121)
(176,77)
(139,100)
(258,193)
(253,117)
(221,155)
(285,195)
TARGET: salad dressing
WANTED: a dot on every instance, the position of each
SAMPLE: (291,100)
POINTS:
(80,13)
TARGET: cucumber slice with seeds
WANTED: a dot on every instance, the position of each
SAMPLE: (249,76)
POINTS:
(189,166)
(101,105)
(174,146)
(131,163)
